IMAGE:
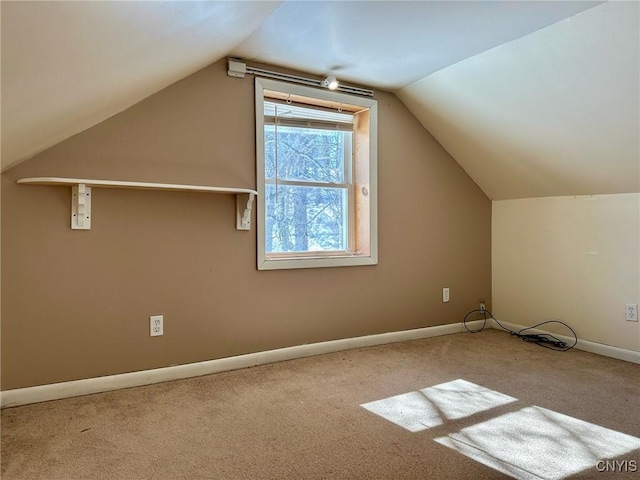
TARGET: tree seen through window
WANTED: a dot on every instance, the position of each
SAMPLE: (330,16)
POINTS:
(301,217)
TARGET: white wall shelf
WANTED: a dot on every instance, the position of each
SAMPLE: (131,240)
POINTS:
(81,196)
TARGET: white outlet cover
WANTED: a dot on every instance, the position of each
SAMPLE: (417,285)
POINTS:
(445,294)
(631,312)
(156,325)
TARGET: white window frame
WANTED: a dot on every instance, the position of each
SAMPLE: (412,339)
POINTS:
(287,260)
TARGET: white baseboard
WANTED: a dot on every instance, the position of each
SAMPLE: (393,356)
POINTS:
(55,391)
(586,345)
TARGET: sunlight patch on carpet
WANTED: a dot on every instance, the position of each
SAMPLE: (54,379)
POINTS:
(535,443)
(430,407)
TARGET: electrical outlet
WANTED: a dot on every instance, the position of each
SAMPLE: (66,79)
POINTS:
(445,294)
(483,307)
(631,312)
(156,325)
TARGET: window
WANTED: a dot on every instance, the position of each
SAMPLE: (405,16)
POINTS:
(316,177)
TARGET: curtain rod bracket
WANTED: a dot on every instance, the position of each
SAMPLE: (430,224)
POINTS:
(237,68)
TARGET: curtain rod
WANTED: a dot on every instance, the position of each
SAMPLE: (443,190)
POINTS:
(238,68)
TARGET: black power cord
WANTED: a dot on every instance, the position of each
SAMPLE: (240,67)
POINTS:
(545,340)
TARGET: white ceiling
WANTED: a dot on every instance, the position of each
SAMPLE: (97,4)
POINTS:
(531,98)
(389,45)
(554,113)
(67,66)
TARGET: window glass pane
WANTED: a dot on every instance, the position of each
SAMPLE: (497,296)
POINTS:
(305,154)
(305,219)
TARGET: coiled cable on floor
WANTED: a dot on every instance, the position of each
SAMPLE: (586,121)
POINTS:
(545,340)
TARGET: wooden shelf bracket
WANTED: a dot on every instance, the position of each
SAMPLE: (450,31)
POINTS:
(81,207)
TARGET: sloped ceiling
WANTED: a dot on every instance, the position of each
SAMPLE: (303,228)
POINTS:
(69,65)
(556,112)
(389,45)
(531,98)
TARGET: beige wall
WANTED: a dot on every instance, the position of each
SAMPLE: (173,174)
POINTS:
(76,303)
(575,259)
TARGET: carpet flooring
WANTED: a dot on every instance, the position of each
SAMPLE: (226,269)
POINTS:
(482,406)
